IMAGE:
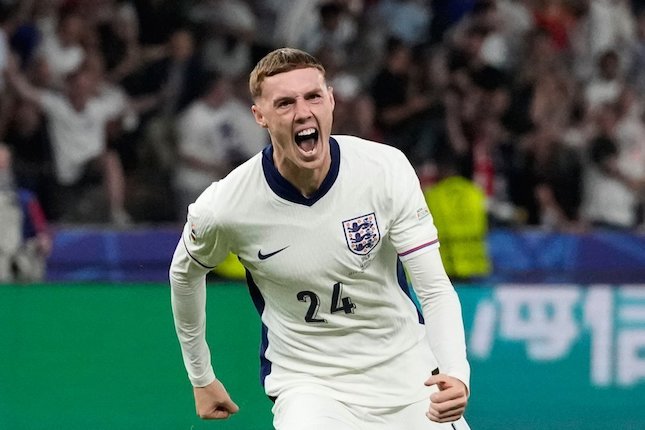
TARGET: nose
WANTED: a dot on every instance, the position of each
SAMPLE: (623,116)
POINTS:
(302,110)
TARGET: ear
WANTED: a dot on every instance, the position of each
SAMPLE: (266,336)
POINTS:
(331,97)
(259,117)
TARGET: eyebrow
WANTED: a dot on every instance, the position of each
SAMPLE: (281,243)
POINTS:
(279,100)
(316,91)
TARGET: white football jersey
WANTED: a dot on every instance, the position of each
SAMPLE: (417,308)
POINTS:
(325,272)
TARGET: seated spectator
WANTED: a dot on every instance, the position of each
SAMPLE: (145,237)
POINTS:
(27,241)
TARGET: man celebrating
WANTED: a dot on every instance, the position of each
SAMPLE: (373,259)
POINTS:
(324,225)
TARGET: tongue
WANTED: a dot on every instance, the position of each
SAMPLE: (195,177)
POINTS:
(307,145)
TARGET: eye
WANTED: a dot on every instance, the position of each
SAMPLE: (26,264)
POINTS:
(283,104)
(315,97)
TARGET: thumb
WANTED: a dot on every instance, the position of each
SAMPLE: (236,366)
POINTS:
(230,406)
(439,380)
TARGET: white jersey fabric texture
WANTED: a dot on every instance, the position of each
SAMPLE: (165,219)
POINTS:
(326,277)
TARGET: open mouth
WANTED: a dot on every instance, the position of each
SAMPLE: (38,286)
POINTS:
(306,139)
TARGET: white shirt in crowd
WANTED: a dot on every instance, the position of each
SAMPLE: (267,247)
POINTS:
(78,137)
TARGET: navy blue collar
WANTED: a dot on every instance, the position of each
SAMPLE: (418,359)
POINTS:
(284,189)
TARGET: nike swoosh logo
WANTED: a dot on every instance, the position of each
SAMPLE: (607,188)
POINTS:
(270,254)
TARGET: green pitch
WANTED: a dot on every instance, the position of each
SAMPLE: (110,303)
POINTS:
(106,357)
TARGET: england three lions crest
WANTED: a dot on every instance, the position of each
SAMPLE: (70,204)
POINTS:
(362,234)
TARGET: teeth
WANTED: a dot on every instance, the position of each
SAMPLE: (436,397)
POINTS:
(307,132)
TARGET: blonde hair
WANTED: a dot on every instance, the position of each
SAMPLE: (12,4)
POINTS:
(278,61)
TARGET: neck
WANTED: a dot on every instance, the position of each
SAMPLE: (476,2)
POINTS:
(307,181)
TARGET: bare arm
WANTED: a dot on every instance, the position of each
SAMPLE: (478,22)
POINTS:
(393,115)
(17,80)
(218,169)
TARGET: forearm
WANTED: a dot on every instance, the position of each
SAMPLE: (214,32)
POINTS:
(18,81)
(219,169)
(188,298)
(394,115)
(442,313)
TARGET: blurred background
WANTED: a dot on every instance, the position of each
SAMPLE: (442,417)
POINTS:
(525,120)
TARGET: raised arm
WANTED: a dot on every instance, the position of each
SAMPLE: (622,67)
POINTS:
(19,82)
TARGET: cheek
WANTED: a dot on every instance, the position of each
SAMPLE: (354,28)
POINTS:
(280,130)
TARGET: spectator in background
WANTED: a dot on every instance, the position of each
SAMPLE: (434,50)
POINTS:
(294,18)
(119,42)
(215,134)
(630,137)
(354,106)
(10,217)
(171,83)
(335,31)
(491,46)
(548,181)
(445,15)
(480,148)
(552,99)
(158,19)
(599,26)
(637,65)
(27,241)
(516,21)
(7,26)
(12,16)
(546,52)
(607,84)
(401,109)
(612,183)
(24,35)
(476,101)
(61,50)
(227,30)
(77,121)
(540,58)
(31,148)
(406,20)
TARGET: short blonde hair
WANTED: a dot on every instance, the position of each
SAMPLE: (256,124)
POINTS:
(278,61)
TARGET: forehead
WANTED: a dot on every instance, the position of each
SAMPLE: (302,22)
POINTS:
(293,83)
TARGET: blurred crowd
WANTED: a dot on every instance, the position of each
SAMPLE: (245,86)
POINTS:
(123,111)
